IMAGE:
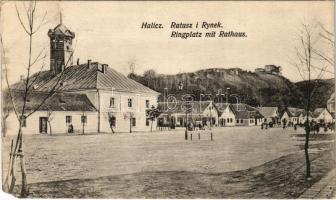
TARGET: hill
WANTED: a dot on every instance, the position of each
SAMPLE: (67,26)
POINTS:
(253,88)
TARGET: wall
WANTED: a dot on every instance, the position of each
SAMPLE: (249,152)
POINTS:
(121,111)
(324,116)
(211,113)
(227,114)
(244,123)
(58,122)
(285,116)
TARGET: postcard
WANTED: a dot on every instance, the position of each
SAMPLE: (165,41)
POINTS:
(167,99)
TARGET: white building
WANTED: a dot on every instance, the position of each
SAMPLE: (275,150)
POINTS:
(331,103)
(53,116)
(178,114)
(116,101)
(322,115)
(227,115)
(247,115)
(270,114)
(293,116)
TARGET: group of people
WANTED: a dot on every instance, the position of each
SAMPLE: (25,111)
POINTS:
(313,126)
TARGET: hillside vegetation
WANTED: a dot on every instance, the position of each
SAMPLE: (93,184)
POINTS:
(253,88)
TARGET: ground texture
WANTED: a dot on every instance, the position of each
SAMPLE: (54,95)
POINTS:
(239,163)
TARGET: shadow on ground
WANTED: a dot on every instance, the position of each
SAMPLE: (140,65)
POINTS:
(281,178)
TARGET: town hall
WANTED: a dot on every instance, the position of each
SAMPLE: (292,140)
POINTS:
(86,97)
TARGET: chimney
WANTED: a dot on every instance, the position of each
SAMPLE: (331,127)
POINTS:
(77,61)
(22,78)
(104,68)
(89,64)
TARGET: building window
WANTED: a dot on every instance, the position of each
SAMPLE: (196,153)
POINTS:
(241,121)
(68,119)
(23,121)
(133,121)
(129,103)
(227,120)
(231,120)
(147,103)
(83,119)
(238,121)
(147,122)
(112,102)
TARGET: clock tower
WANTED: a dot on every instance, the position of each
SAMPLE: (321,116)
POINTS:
(61,50)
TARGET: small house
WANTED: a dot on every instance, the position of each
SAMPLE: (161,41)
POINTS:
(227,115)
(270,114)
(322,115)
(180,113)
(247,115)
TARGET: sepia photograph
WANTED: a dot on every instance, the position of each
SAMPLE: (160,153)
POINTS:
(167,99)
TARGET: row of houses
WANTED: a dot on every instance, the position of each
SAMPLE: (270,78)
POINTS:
(208,113)
(299,116)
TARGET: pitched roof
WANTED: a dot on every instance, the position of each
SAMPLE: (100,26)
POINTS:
(222,106)
(61,29)
(317,112)
(268,111)
(242,107)
(79,77)
(56,102)
(243,114)
(244,111)
(295,112)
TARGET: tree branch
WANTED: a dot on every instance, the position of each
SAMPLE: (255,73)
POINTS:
(6,77)
(21,22)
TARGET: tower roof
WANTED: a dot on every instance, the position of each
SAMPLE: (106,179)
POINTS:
(61,29)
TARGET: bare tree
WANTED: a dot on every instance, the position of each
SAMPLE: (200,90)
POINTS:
(83,121)
(130,117)
(308,65)
(5,114)
(49,119)
(31,25)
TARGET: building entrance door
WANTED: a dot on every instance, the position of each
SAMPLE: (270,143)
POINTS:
(43,125)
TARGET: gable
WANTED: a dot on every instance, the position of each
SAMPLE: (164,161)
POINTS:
(228,112)
(324,114)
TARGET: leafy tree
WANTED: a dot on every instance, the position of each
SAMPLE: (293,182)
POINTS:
(152,114)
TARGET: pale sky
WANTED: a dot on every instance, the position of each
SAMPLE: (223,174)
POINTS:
(110,32)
